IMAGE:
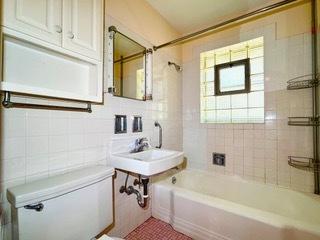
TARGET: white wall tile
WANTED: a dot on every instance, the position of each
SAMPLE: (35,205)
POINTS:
(256,152)
(37,126)
(58,143)
(37,164)
(14,126)
(58,126)
(37,145)
(58,161)
(13,147)
(13,168)
(76,141)
(76,125)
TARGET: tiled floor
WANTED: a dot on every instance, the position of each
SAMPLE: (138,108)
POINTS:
(154,229)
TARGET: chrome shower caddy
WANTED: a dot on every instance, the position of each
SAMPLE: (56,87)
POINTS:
(302,82)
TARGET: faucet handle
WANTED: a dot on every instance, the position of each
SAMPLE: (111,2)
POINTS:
(140,144)
(141,140)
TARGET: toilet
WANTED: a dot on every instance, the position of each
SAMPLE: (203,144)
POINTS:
(72,206)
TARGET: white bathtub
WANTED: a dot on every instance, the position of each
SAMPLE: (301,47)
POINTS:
(205,206)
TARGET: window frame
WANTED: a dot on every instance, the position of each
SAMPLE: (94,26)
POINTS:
(247,80)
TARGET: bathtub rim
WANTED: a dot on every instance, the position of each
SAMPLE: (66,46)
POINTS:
(278,221)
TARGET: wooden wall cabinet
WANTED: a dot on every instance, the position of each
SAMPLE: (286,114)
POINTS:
(53,48)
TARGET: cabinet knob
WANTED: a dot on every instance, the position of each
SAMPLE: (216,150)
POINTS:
(58,29)
(71,35)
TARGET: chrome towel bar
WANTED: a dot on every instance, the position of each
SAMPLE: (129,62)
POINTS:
(8,104)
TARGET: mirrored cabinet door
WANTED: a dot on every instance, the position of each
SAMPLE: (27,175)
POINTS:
(129,74)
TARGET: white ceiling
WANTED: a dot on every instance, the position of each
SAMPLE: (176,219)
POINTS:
(191,15)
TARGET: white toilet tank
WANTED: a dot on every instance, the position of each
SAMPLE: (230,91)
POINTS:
(76,205)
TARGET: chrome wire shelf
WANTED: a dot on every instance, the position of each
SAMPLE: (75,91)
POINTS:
(302,163)
(303,121)
(301,82)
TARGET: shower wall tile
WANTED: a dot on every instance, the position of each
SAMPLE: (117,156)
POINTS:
(257,152)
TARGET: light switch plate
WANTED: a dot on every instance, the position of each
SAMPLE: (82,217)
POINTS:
(120,124)
(137,124)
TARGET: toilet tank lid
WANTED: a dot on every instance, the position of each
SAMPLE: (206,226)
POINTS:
(44,189)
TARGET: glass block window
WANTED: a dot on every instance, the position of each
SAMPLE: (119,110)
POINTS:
(238,107)
(232,77)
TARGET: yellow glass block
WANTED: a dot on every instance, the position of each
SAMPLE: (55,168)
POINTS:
(239,115)
(223,116)
(210,116)
(255,52)
(256,99)
(209,91)
(256,115)
(239,54)
(209,62)
(239,101)
(223,102)
(210,103)
(223,57)
(256,65)
(209,75)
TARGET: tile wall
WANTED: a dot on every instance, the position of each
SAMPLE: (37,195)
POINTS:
(40,143)
(37,143)
(256,152)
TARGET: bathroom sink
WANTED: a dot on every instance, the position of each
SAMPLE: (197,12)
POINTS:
(148,162)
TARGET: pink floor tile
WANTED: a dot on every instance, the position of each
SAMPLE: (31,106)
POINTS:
(154,229)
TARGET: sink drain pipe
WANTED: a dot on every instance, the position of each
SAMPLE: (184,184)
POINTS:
(142,200)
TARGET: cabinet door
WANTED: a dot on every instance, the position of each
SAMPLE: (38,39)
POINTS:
(83,26)
(38,18)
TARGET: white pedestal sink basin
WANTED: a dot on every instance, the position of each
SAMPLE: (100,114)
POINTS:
(148,162)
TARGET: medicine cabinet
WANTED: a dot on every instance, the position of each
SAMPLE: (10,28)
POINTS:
(130,64)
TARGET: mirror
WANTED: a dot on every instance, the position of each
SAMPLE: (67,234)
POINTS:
(129,60)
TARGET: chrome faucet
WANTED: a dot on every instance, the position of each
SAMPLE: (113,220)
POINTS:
(140,145)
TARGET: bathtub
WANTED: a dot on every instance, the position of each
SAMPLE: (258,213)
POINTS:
(206,206)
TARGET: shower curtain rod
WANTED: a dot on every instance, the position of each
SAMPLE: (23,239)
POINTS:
(315,95)
(225,23)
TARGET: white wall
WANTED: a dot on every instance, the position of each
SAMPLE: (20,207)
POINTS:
(256,152)
(40,143)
